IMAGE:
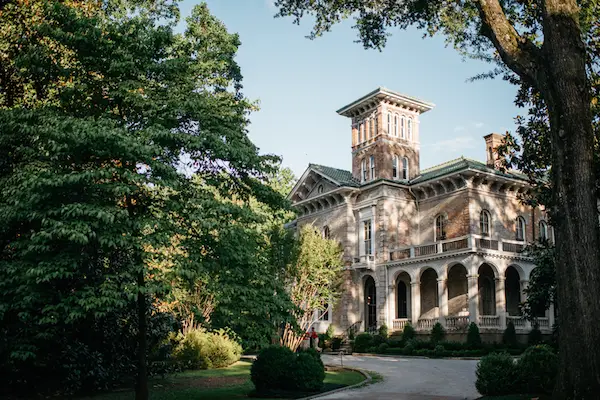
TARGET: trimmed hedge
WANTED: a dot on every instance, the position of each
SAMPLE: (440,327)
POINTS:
(497,374)
(538,367)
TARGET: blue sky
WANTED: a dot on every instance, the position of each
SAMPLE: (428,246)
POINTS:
(300,83)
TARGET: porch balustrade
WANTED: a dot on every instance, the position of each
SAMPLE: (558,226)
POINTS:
(398,324)
(489,321)
(457,322)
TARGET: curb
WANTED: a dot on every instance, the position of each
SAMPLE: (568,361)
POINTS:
(364,373)
(403,356)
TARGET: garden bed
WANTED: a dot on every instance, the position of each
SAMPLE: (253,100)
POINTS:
(225,383)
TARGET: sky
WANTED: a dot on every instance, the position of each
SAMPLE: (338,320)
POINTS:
(300,83)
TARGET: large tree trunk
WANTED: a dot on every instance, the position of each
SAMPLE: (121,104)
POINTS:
(567,94)
(141,389)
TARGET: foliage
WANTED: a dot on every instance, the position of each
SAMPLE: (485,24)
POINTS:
(509,336)
(408,333)
(383,348)
(439,350)
(534,336)
(541,290)
(336,343)
(410,346)
(200,349)
(473,336)
(269,370)
(538,368)
(362,342)
(438,333)
(383,331)
(497,374)
(312,280)
(307,373)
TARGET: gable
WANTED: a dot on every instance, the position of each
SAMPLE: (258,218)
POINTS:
(308,185)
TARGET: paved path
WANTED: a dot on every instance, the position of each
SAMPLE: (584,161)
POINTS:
(411,378)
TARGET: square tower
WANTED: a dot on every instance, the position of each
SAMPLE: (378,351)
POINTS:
(385,135)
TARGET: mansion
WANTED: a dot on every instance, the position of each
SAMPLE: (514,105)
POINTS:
(443,244)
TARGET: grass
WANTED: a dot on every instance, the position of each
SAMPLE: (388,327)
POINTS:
(232,382)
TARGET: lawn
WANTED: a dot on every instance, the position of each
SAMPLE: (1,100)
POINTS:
(218,384)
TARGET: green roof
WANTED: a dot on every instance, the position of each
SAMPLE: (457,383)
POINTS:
(341,176)
(345,178)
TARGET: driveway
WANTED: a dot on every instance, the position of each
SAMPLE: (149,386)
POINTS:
(411,378)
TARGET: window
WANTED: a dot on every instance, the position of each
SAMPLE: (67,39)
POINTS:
(410,128)
(440,228)
(402,127)
(372,127)
(372,165)
(363,167)
(404,168)
(395,167)
(484,223)
(326,312)
(395,125)
(389,124)
(362,132)
(320,189)
(367,237)
(376,125)
(543,231)
(326,233)
(520,234)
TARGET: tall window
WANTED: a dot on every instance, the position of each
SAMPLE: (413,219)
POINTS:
(376,124)
(320,189)
(372,127)
(410,128)
(326,233)
(402,127)
(389,123)
(440,227)
(363,167)
(520,231)
(368,247)
(404,168)
(372,165)
(395,125)
(484,223)
(326,312)
(395,167)
(543,231)
(361,128)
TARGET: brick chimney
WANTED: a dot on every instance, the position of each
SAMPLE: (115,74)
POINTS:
(492,141)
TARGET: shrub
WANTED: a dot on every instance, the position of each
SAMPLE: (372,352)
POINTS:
(410,346)
(336,343)
(438,333)
(269,370)
(362,342)
(534,336)
(453,346)
(473,336)
(330,331)
(383,348)
(204,350)
(408,332)
(377,340)
(439,351)
(538,367)
(509,337)
(383,331)
(306,374)
(497,374)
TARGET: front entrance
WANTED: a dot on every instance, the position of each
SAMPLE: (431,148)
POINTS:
(370,305)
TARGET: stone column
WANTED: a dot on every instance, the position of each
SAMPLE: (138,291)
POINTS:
(391,306)
(551,316)
(524,284)
(442,300)
(415,302)
(501,301)
(473,298)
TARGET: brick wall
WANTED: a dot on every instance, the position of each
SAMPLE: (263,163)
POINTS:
(454,205)
(384,150)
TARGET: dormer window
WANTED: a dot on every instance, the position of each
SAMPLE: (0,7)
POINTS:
(410,128)
(520,229)
(372,164)
(404,168)
(320,189)
(363,168)
(402,127)
(395,167)
(440,228)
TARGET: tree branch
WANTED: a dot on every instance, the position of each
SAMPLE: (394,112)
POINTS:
(517,52)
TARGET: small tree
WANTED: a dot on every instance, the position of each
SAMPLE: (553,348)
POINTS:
(438,333)
(509,337)
(383,331)
(473,336)
(535,336)
(313,279)
(408,332)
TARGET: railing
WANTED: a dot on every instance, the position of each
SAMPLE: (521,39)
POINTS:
(455,245)
(426,250)
(512,247)
(543,323)
(518,321)
(486,244)
(426,323)
(399,254)
(489,321)
(364,259)
(399,324)
(457,322)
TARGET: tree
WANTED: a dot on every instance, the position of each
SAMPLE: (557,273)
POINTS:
(313,282)
(99,103)
(541,44)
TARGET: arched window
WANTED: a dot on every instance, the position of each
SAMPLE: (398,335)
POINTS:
(372,165)
(410,128)
(326,233)
(404,168)
(543,231)
(440,228)
(484,223)
(363,168)
(395,167)
(520,231)
(389,123)
(320,189)
(402,127)
(395,125)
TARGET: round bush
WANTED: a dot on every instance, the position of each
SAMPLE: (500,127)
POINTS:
(383,348)
(269,370)
(362,342)
(410,347)
(538,367)
(497,374)
(383,331)
(200,349)
(306,374)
